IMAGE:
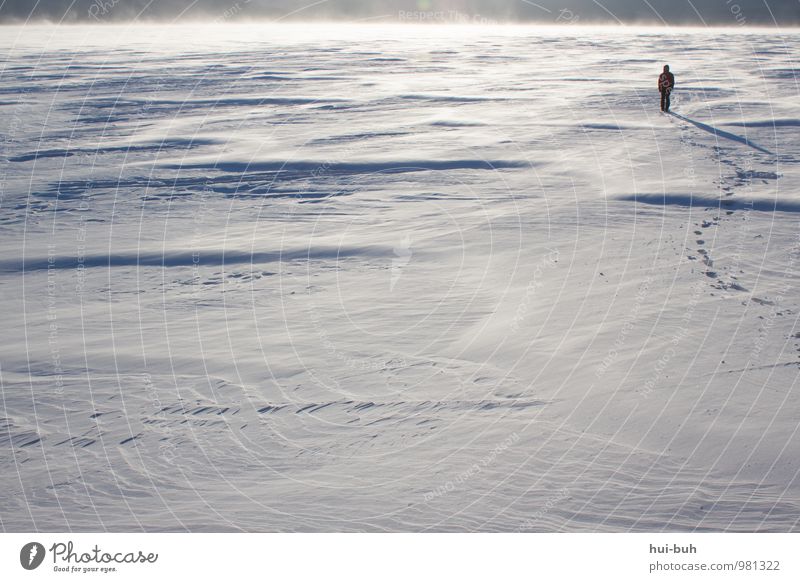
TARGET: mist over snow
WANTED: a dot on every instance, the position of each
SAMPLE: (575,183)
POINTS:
(697,12)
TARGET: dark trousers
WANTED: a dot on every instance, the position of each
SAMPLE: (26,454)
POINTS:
(665,99)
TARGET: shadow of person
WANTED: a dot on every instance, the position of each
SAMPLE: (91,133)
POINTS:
(721,133)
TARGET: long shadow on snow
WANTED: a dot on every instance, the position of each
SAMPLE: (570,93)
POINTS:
(202,257)
(675,199)
(724,134)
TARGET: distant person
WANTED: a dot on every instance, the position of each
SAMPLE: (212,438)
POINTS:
(666,82)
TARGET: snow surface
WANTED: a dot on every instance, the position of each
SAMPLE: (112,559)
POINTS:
(310,278)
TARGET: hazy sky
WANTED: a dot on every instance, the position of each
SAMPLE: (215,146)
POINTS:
(718,12)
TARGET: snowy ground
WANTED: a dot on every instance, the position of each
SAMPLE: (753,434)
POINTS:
(360,278)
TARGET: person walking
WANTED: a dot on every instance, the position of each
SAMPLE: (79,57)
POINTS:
(666,82)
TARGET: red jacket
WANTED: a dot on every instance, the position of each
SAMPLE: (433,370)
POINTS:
(666,81)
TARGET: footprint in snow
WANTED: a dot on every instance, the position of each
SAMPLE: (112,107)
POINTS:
(762,301)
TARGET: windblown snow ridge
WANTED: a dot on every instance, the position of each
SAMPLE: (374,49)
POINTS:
(163,146)
(690,200)
(324,166)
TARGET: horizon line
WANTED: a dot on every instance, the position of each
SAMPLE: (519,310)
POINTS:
(377,21)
